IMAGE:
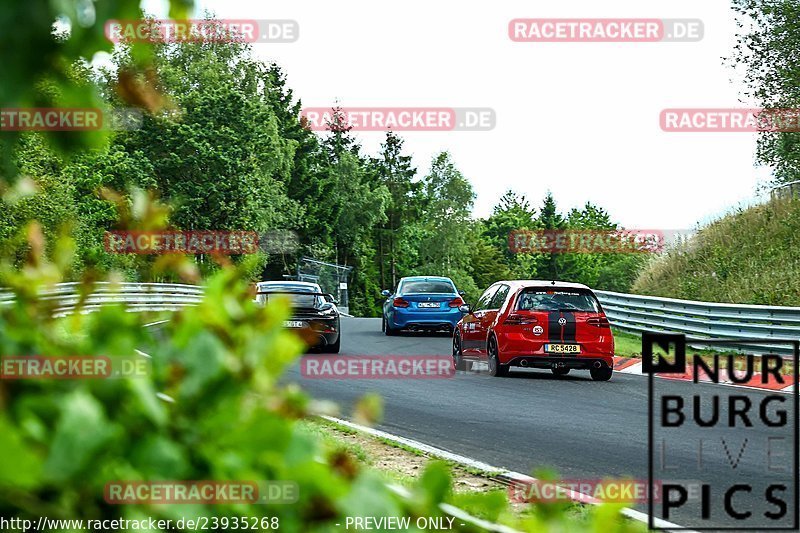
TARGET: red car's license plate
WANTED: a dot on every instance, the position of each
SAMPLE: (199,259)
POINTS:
(562,348)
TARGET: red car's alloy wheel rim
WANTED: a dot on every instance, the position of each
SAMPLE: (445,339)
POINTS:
(492,349)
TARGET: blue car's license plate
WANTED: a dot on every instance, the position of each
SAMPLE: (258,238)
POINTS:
(428,304)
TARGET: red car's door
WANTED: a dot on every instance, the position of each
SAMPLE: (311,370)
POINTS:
(488,317)
(472,323)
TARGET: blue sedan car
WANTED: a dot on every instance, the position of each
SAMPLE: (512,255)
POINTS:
(422,303)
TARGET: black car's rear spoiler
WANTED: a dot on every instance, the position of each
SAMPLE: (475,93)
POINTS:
(293,292)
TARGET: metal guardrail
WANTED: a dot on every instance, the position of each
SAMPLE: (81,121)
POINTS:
(708,320)
(135,296)
(628,312)
(786,190)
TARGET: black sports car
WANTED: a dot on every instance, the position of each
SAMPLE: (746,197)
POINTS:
(315,316)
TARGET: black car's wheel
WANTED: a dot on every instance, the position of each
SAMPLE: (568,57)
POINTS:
(495,368)
(561,371)
(458,356)
(601,374)
(333,348)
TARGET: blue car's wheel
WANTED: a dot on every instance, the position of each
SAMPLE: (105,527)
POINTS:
(389,330)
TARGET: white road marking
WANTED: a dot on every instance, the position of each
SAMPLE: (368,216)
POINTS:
(498,472)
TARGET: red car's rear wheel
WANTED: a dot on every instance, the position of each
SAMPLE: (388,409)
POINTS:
(495,368)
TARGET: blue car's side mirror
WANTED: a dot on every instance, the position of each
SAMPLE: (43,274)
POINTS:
(385,293)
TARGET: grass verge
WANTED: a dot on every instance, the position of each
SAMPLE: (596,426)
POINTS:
(472,488)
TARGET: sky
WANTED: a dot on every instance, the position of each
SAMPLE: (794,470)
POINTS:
(578,119)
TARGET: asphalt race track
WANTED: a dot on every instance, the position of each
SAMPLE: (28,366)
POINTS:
(532,419)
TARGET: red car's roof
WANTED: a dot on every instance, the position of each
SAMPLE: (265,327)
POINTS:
(544,283)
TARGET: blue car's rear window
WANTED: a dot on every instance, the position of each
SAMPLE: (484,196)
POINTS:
(426,286)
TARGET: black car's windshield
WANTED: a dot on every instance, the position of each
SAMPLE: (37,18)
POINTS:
(427,286)
(298,299)
(557,300)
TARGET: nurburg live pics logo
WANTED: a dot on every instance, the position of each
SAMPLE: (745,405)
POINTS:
(734,449)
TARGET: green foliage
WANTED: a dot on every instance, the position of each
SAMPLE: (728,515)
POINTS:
(394,170)
(607,271)
(221,160)
(767,50)
(513,213)
(39,68)
(226,417)
(493,258)
(749,256)
(211,407)
(226,149)
(221,147)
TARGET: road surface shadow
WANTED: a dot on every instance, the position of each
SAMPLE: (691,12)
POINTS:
(535,374)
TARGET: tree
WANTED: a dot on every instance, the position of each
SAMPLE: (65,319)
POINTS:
(359,201)
(552,266)
(512,214)
(768,52)
(41,70)
(304,182)
(607,271)
(447,199)
(486,265)
(394,170)
(218,157)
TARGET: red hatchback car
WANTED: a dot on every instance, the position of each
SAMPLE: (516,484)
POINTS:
(536,324)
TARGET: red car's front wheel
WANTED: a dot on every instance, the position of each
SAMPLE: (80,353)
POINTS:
(458,356)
